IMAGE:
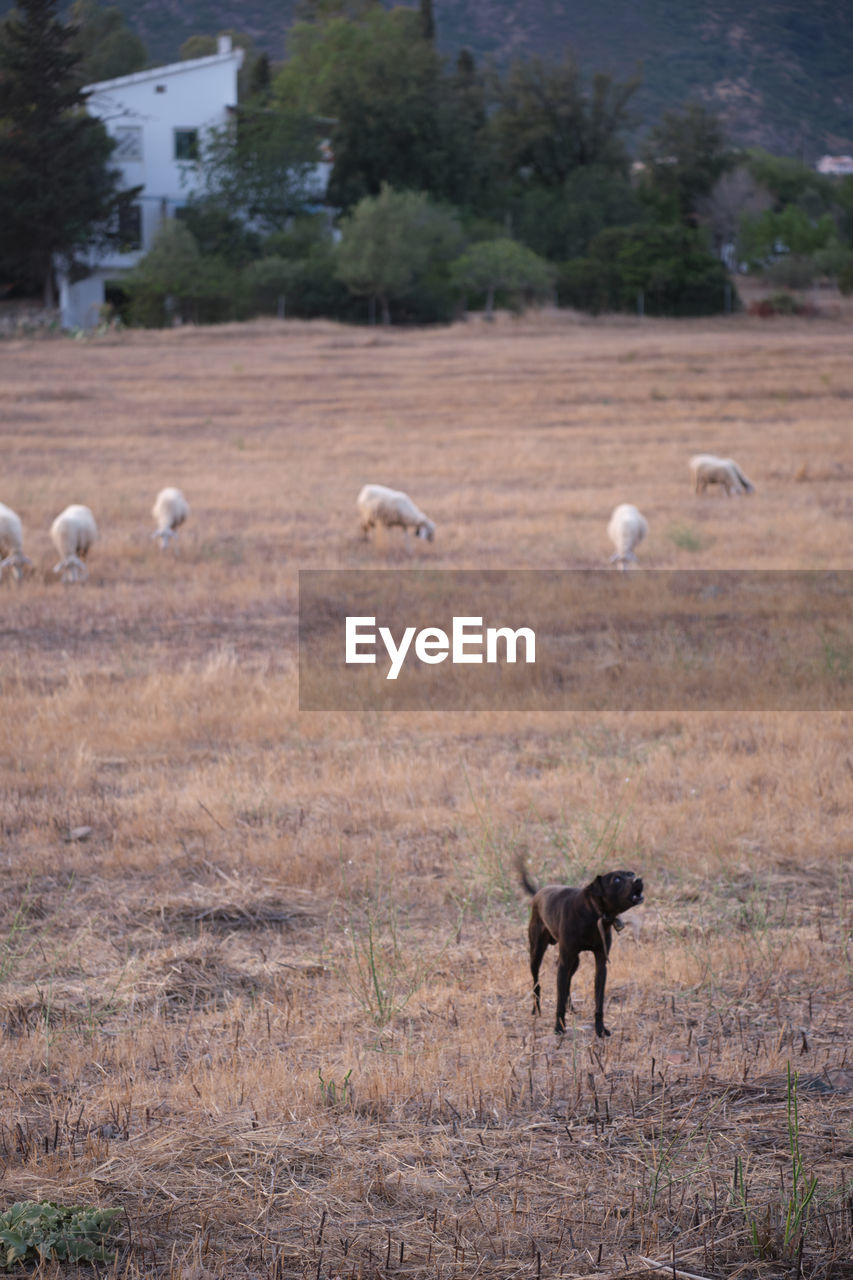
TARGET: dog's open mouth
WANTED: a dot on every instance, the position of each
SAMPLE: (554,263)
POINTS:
(637,895)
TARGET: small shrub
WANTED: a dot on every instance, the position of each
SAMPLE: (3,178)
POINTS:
(686,539)
(332,1094)
(779,1230)
(784,304)
(384,970)
(794,271)
(175,282)
(39,1231)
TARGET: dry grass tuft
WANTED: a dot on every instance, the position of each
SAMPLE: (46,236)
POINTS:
(199,978)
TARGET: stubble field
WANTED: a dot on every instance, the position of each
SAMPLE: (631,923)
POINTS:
(275,1002)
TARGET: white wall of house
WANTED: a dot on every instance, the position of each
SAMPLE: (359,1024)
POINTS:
(839,166)
(154,116)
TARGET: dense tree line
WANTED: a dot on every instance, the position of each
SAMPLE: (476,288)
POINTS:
(451,184)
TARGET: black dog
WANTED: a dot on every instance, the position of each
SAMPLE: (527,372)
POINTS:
(577,920)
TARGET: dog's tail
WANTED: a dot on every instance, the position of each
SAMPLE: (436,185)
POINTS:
(530,886)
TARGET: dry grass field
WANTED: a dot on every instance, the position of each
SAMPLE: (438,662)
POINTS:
(275,1003)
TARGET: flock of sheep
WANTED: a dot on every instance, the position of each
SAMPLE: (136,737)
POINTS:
(626,529)
(74,531)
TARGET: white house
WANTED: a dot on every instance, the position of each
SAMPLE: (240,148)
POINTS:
(157,118)
(840,166)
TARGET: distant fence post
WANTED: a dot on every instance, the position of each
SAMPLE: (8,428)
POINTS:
(281,305)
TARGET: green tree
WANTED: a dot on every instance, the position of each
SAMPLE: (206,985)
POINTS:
(311,286)
(501,264)
(789,231)
(427,20)
(685,156)
(261,168)
(790,182)
(559,222)
(106,45)
(390,242)
(791,248)
(270,280)
(469,175)
(174,280)
(667,269)
(377,81)
(547,123)
(259,83)
(58,194)
(220,234)
(843,200)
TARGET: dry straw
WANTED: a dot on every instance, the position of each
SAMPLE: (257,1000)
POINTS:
(184,1033)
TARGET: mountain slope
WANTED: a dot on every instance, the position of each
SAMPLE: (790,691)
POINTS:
(780,72)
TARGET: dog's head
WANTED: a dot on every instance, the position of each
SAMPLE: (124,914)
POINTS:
(616,891)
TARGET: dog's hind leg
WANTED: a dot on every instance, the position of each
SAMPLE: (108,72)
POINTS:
(540,940)
(566,967)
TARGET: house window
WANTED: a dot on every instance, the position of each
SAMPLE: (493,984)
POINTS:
(130,227)
(128,143)
(186,144)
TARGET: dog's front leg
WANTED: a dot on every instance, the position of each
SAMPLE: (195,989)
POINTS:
(566,967)
(600,979)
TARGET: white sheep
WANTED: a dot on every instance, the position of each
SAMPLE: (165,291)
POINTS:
(11,542)
(626,530)
(72,533)
(389,507)
(706,469)
(170,510)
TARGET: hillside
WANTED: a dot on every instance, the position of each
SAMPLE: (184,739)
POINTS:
(778,71)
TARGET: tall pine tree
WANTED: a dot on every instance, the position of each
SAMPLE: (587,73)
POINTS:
(427,20)
(58,194)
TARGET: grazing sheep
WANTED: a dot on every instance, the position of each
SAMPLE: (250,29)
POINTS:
(706,469)
(73,532)
(11,542)
(389,507)
(170,511)
(626,531)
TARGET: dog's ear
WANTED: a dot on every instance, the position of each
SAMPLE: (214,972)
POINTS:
(596,890)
